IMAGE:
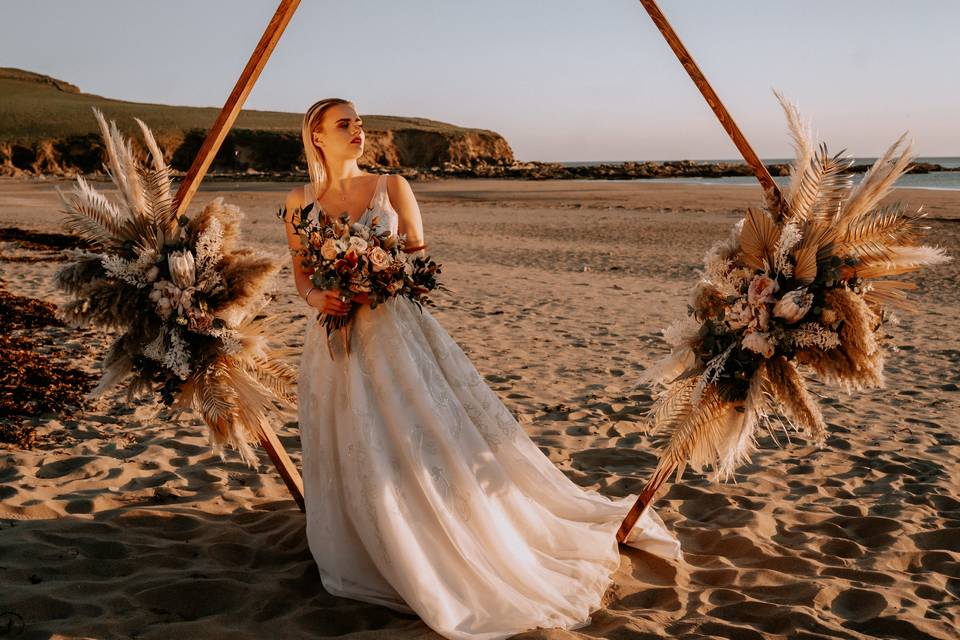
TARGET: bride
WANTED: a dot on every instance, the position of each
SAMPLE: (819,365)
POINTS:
(423,493)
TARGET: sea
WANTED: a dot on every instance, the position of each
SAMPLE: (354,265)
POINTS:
(941,180)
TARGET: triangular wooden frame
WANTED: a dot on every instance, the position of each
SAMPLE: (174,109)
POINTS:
(251,72)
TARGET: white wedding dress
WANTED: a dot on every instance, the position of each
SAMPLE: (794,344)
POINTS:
(423,493)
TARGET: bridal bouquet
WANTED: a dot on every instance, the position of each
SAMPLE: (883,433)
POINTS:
(184,298)
(798,287)
(357,259)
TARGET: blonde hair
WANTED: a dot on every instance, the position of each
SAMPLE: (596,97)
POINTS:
(316,167)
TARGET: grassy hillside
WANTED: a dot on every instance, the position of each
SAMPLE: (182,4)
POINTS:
(35,107)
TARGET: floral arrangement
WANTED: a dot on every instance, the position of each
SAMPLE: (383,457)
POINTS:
(359,259)
(799,287)
(184,298)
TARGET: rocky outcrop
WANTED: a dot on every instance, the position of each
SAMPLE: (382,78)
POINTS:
(42,131)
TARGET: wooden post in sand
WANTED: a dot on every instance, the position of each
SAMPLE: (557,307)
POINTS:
(771,193)
(211,144)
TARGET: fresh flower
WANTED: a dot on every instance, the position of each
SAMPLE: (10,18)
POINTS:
(379,259)
(329,249)
(357,244)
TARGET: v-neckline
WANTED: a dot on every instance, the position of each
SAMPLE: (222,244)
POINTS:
(373,198)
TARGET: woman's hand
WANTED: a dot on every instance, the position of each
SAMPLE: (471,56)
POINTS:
(328,301)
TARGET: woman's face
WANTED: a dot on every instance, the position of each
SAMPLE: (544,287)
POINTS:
(340,134)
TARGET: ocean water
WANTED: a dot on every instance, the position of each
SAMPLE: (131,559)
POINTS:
(947,180)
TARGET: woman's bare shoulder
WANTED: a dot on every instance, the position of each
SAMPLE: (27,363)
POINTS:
(296,197)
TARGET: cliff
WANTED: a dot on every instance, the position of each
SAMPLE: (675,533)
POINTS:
(47,127)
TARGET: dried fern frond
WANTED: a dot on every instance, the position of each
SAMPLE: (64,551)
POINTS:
(672,406)
(697,438)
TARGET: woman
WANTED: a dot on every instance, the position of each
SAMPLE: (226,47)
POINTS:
(422,492)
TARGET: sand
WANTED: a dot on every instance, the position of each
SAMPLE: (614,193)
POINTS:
(122,524)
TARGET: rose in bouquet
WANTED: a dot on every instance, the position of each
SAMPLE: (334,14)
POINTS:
(798,287)
(185,299)
(360,260)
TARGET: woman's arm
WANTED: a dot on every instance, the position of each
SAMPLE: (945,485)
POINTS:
(408,211)
(325,300)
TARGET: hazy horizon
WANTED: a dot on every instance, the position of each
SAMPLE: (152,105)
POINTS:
(576,83)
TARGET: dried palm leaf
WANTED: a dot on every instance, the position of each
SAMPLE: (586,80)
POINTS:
(672,406)
(697,438)
(897,260)
(758,238)
(889,292)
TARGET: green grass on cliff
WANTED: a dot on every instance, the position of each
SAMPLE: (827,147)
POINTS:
(35,107)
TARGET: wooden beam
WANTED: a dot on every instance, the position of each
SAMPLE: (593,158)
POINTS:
(188,187)
(771,190)
(231,109)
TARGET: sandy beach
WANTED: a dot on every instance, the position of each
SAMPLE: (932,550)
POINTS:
(121,524)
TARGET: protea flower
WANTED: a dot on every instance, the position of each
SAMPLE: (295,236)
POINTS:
(793,305)
(182,269)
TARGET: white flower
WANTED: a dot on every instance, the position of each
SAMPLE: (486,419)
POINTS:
(152,274)
(793,305)
(379,259)
(341,245)
(758,343)
(357,244)
(761,290)
(182,268)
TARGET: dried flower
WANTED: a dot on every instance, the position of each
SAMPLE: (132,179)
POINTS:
(758,342)
(182,269)
(762,289)
(761,318)
(794,305)
(739,315)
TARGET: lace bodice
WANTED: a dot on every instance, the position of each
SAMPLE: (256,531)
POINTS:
(379,206)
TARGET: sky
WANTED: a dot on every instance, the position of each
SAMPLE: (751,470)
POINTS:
(561,80)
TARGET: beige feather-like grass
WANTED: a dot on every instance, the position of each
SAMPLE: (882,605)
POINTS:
(785,383)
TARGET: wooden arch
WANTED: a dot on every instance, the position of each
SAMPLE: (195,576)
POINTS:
(231,109)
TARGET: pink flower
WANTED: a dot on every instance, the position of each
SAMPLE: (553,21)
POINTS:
(761,290)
